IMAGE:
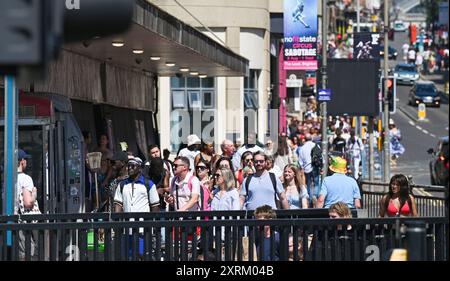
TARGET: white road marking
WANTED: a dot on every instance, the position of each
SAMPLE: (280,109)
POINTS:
(425,131)
(412,123)
(433,135)
(419,128)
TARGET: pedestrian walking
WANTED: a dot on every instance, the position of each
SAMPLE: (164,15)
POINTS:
(354,149)
(225,195)
(395,147)
(262,188)
(295,187)
(184,188)
(339,187)
(191,151)
(119,166)
(26,203)
(310,168)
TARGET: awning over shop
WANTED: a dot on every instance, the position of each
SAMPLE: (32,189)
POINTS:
(163,36)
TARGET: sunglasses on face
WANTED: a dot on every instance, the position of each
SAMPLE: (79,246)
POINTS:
(132,166)
(201,168)
(177,165)
(248,160)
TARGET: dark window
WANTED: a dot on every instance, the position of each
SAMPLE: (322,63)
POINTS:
(176,82)
(193,82)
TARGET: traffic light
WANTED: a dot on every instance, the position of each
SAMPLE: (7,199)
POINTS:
(392,93)
(32,31)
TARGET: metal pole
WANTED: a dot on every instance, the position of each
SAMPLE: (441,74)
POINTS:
(358,28)
(386,100)
(359,126)
(10,147)
(96,191)
(324,85)
(371,149)
(416,240)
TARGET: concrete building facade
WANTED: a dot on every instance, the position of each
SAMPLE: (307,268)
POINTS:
(240,105)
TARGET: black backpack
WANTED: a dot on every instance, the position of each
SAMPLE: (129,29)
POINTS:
(316,156)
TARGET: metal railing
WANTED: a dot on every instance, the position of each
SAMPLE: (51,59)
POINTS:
(181,237)
(427,205)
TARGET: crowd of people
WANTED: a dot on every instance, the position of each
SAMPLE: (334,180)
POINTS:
(283,173)
(280,174)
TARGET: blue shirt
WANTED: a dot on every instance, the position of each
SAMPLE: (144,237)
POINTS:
(340,188)
(260,192)
(267,255)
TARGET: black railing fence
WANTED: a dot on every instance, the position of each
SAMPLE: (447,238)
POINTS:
(219,236)
(430,200)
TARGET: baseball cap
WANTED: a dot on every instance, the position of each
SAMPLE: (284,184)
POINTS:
(193,139)
(22,155)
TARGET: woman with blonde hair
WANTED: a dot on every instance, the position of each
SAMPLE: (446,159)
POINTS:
(295,187)
(225,196)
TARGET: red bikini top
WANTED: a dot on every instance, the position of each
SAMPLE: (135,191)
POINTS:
(392,211)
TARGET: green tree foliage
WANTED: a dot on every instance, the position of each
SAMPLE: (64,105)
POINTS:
(432,10)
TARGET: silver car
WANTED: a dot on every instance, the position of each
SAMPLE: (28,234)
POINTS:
(406,73)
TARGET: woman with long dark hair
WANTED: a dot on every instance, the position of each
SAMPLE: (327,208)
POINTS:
(283,155)
(399,201)
(246,166)
(203,172)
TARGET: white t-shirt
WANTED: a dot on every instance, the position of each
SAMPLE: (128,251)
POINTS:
(135,196)
(184,193)
(405,48)
(412,55)
(419,59)
(24,181)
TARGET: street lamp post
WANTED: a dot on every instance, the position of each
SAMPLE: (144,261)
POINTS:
(385,94)
(324,85)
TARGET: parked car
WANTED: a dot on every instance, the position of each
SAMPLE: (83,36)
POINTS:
(392,52)
(424,92)
(406,73)
(439,163)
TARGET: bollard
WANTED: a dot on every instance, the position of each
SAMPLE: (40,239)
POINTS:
(422,111)
(416,241)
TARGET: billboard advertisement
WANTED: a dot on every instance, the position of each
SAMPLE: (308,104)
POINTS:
(366,45)
(300,34)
